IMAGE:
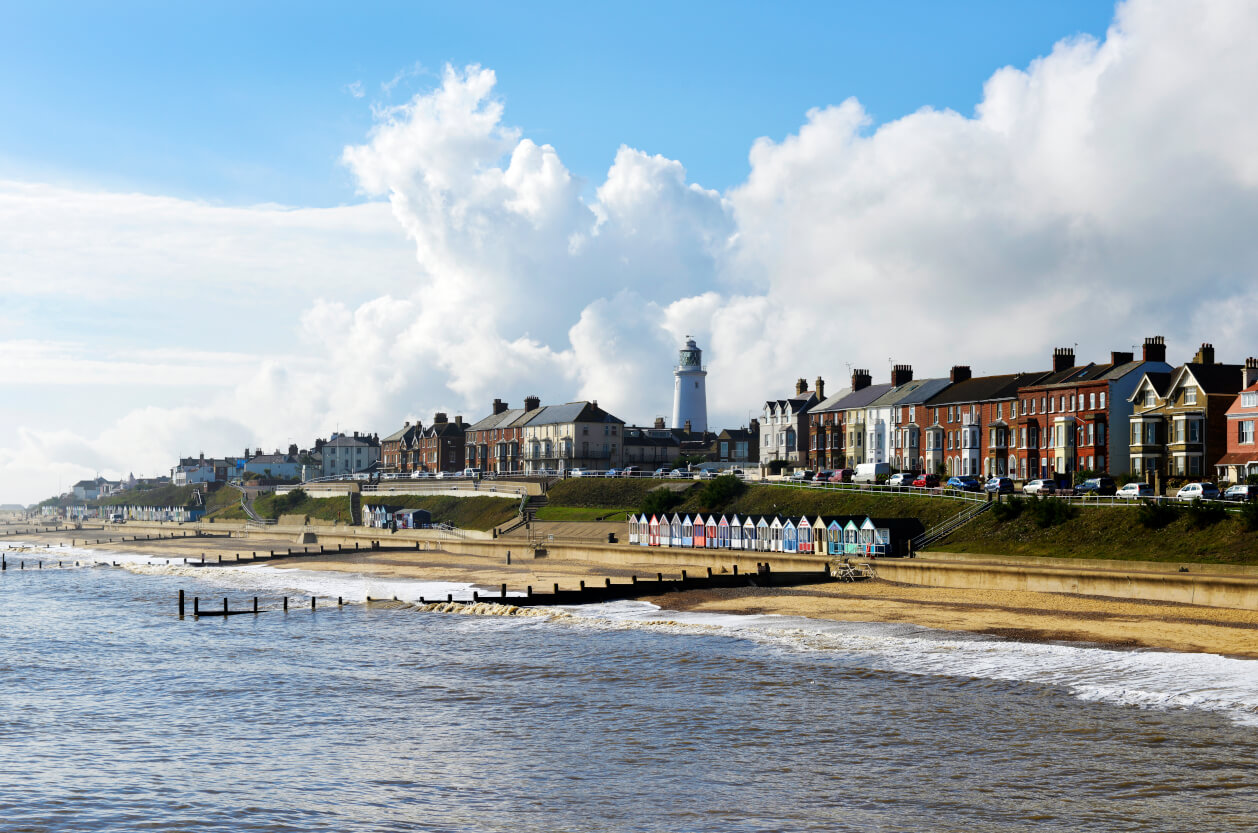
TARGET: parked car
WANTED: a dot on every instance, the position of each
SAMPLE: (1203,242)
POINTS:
(739,473)
(416,475)
(663,471)
(1198,491)
(470,472)
(1097,486)
(1134,490)
(926,481)
(803,474)
(965,483)
(579,472)
(1040,487)
(870,472)
(999,486)
(1241,491)
(679,473)
(903,478)
(630,471)
(823,476)
(841,476)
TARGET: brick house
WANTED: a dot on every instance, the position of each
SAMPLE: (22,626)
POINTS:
(907,418)
(493,444)
(440,446)
(1179,424)
(968,432)
(393,448)
(1241,458)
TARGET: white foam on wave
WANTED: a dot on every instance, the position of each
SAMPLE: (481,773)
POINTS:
(1145,679)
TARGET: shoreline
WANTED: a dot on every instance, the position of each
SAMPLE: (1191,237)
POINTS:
(1008,614)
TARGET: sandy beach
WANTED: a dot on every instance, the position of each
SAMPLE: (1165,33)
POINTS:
(1009,614)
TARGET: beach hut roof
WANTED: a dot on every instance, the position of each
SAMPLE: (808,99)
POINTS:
(835,524)
(788,522)
(764,521)
(724,521)
(850,525)
(777,520)
(869,524)
(698,519)
(712,520)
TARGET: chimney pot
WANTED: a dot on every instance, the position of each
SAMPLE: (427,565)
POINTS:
(861,379)
(960,372)
(659,422)
(1155,349)
(801,385)
(1249,374)
(821,388)
(500,406)
(1119,357)
(1205,355)
(532,403)
(1063,358)
(901,374)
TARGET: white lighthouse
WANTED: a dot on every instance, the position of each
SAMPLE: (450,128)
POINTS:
(690,395)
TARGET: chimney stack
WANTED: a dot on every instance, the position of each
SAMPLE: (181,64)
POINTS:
(355,435)
(1205,355)
(1063,358)
(659,422)
(861,379)
(499,406)
(437,419)
(960,372)
(820,388)
(1118,357)
(532,403)
(1155,349)
(901,374)
(458,420)
(801,385)
(406,424)
(687,426)
(1250,373)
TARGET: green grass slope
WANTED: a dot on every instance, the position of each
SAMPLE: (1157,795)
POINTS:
(1109,533)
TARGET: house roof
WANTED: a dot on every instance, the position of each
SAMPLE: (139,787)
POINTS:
(984,388)
(402,434)
(847,399)
(1160,382)
(272,458)
(488,422)
(572,412)
(912,393)
(344,441)
(1217,378)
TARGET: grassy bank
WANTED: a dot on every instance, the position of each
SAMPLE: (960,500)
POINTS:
(1109,533)
(479,512)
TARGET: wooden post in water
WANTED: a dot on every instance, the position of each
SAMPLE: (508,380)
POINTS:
(224,605)
(683,575)
(556,588)
(196,606)
(659,577)
(312,602)
(582,585)
(449,598)
(504,591)
(255,604)
(608,582)
(180,604)
(286,604)
(529,591)
(735,569)
(340,602)
(709,572)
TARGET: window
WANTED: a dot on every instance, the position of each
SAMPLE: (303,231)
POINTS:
(1091,434)
(1044,405)
(1245,434)
(951,414)
(1149,399)
(1000,410)
(1249,400)
(1194,432)
(1061,403)
(1100,433)
(1179,432)
(1013,409)
(1190,396)
(1091,401)
(1072,402)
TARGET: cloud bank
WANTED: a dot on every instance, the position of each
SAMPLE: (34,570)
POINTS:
(1106,192)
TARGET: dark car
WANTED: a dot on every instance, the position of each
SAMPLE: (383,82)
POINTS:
(999,486)
(965,483)
(1097,486)
(802,474)
(926,481)
(823,476)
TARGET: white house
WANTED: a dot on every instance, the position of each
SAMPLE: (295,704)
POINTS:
(344,454)
(575,435)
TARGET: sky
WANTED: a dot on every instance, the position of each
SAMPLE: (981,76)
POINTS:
(225,226)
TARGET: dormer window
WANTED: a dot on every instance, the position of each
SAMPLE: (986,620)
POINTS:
(1150,399)
(1190,396)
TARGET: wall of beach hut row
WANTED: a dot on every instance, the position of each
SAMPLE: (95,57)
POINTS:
(382,516)
(764,533)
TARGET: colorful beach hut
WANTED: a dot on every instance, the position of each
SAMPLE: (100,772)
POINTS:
(653,536)
(764,535)
(712,532)
(722,533)
(851,538)
(674,538)
(749,533)
(834,538)
(699,527)
(803,534)
(790,537)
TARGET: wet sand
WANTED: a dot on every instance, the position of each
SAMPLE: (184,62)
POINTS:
(1011,614)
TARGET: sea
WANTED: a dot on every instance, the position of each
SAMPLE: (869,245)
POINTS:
(116,715)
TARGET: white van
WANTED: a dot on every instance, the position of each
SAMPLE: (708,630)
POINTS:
(870,472)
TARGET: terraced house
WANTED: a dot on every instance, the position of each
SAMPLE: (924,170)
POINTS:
(906,405)
(394,448)
(969,429)
(442,445)
(494,443)
(1076,418)
(1179,419)
(784,426)
(575,435)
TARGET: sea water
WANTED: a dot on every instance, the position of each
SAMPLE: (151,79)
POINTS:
(116,715)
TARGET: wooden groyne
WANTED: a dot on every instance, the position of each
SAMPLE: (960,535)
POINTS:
(300,552)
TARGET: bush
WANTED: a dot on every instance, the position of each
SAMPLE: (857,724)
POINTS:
(719,491)
(1249,515)
(1157,514)
(660,501)
(1051,511)
(284,503)
(1202,514)
(1009,509)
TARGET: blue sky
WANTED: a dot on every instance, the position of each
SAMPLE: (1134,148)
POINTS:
(249,102)
(237,224)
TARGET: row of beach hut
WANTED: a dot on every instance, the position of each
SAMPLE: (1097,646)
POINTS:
(849,535)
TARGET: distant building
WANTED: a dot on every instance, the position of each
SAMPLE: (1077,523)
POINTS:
(575,435)
(346,454)
(784,428)
(1241,459)
(278,466)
